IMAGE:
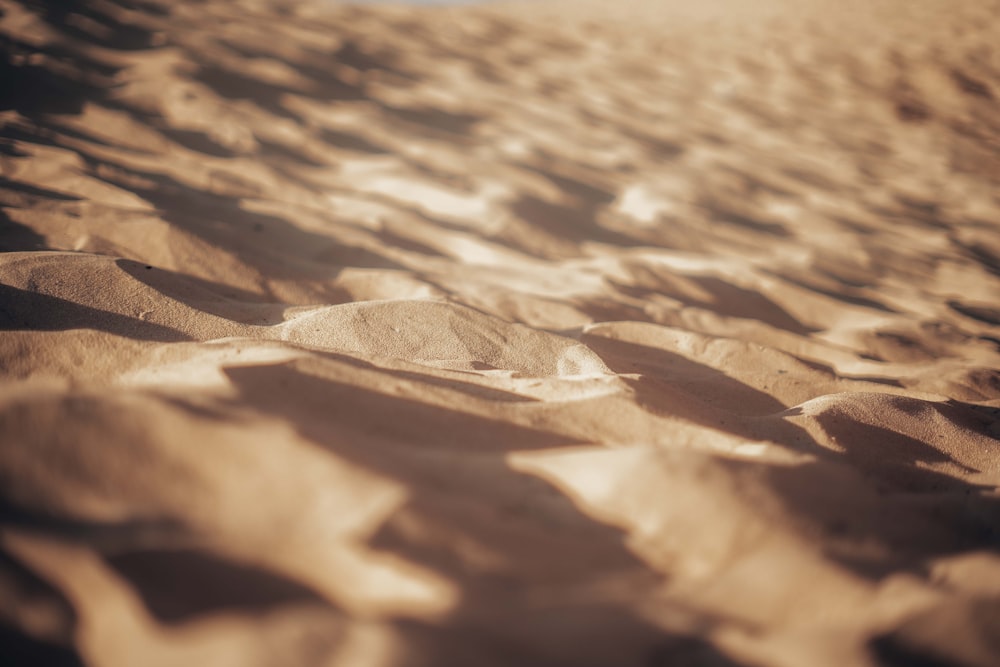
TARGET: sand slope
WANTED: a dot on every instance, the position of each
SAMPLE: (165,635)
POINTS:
(590,334)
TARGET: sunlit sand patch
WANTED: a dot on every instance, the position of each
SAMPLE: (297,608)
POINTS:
(473,250)
(643,205)
(432,198)
(203,368)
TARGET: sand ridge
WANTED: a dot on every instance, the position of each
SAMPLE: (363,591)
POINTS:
(633,333)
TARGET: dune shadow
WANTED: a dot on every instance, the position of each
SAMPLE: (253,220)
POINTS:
(15,237)
(35,192)
(554,230)
(893,458)
(722,213)
(658,148)
(44,131)
(63,75)
(21,647)
(25,310)
(69,72)
(522,521)
(914,512)
(101,534)
(351,142)
(236,86)
(49,80)
(264,241)
(734,301)
(844,295)
(104,25)
(347,408)
(983,313)
(987,257)
(955,632)
(878,530)
(178,585)
(432,120)
(471,389)
(660,369)
(232,303)
(223,221)
(197,141)
(721,297)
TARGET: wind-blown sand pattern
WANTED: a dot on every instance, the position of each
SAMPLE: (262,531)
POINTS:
(588,334)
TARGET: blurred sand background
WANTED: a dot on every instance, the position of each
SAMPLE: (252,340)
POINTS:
(542,334)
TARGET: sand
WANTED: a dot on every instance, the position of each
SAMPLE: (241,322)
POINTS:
(567,334)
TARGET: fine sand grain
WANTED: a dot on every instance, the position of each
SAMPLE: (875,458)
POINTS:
(577,334)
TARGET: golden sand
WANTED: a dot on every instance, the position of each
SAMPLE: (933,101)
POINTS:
(573,334)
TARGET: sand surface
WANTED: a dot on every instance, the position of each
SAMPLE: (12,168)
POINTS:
(574,334)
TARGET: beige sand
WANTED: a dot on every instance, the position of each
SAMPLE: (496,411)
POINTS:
(579,334)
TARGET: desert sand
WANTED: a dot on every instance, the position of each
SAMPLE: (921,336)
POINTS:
(590,334)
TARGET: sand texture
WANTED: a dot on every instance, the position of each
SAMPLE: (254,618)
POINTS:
(570,334)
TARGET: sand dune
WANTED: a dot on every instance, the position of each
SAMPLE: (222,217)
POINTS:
(584,334)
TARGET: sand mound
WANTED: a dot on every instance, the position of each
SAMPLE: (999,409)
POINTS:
(558,334)
(441,333)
